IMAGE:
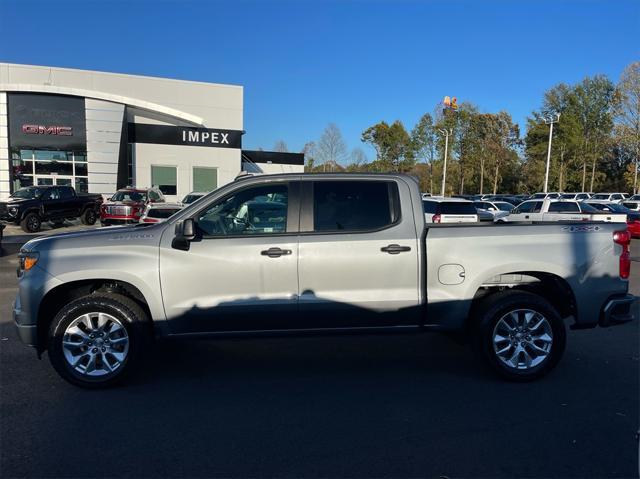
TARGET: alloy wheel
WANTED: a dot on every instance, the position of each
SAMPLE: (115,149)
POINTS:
(522,339)
(95,344)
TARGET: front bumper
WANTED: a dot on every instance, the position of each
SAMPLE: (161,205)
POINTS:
(27,333)
(618,310)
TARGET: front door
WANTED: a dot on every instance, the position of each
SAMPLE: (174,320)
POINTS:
(359,254)
(241,271)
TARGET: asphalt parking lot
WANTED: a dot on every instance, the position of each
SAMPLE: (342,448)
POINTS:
(400,406)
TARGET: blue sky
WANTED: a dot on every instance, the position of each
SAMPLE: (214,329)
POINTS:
(306,63)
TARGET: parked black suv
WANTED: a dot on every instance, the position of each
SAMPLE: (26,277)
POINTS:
(30,206)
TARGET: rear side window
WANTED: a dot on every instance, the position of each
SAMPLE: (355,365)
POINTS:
(457,208)
(354,205)
(564,207)
(66,192)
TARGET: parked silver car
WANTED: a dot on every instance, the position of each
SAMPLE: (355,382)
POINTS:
(493,210)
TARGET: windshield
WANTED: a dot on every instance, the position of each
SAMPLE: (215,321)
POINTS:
(191,198)
(27,193)
(600,196)
(504,206)
(568,196)
(129,195)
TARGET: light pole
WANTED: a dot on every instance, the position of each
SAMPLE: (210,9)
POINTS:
(446,134)
(549,121)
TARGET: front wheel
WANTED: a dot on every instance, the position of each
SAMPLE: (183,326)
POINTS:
(31,223)
(519,334)
(95,341)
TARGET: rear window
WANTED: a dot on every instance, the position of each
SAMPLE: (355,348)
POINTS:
(354,205)
(162,213)
(457,208)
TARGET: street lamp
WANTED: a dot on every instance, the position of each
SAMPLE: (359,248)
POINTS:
(549,121)
(446,134)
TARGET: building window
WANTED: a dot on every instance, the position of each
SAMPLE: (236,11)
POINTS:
(165,178)
(205,179)
(49,167)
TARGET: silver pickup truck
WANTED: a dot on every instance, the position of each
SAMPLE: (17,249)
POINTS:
(322,253)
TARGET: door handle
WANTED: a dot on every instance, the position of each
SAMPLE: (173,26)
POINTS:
(395,249)
(526,217)
(275,252)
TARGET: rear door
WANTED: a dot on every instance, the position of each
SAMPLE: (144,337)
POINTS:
(358,247)
(52,203)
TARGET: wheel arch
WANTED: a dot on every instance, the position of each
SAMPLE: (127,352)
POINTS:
(550,286)
(64,293)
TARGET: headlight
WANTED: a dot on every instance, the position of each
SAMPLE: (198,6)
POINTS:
(28,259)
(13,210)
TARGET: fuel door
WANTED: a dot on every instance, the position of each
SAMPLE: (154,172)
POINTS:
(451,274)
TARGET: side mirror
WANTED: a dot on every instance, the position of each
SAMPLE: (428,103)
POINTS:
(189,229)
(185,232)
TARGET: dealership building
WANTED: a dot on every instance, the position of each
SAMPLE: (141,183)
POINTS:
(101,131)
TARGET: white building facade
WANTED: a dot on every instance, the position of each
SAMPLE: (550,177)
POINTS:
(101,131)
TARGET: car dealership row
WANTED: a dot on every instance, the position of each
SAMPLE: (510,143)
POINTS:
(99,132)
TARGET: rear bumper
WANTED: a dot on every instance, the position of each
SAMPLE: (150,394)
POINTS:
(618,310)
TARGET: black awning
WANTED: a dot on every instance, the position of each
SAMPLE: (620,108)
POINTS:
(274,157)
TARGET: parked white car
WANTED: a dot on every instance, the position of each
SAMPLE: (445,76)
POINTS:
(561,210)
(158,212)
(497,209)
(546,196)
(449,210)
(611,197)
(193,196)
(575,196)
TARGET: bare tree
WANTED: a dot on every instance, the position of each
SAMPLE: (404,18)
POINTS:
(309,151)
(280,147)
(357,159)
(331,147)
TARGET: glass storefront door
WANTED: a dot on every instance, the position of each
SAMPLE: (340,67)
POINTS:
(48,168)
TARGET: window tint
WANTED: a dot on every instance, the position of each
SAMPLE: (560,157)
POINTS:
(66,193)
(430,207)
(153,196)
(540,195)
(257,210)
(564,207)
(526,207)
(600,196)
(537,206)
(161,212)
(616,197)
(353,205)
(457,208)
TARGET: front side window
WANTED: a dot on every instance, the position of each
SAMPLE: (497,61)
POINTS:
(526,207)
(165,178)
(252,211)
(353,205)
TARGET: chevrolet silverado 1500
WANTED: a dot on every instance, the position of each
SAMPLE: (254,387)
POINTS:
(325,253)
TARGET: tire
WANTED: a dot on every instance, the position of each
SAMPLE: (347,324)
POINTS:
(31,223)
(107,357)
(89,217)
(511,338)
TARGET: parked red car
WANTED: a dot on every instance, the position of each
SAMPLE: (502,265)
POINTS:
(127,205)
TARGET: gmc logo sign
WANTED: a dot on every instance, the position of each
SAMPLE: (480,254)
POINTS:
(47,130)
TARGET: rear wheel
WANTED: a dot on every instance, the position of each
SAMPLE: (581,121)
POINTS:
(31,223)
(95,341)
(520,335)
(89,217)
